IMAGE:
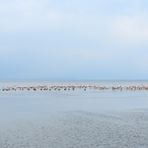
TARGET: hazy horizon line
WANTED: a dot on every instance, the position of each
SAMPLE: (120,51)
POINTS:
(74,80)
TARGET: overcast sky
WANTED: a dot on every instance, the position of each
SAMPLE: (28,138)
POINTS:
(73,39)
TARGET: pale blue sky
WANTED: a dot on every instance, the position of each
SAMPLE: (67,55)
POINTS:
(73,39)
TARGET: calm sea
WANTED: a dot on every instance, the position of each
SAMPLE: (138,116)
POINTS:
(35,104)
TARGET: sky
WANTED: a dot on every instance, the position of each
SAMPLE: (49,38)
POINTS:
(73,39)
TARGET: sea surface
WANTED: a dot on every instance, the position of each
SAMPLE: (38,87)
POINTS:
(74,119)
(35,104)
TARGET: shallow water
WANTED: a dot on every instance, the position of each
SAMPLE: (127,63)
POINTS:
(68,119)
(35,104)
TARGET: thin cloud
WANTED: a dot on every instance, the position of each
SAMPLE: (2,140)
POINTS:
(75,39)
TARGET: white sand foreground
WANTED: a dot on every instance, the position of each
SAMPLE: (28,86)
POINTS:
(78,130)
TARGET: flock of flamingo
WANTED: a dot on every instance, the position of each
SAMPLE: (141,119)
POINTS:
(75,87)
